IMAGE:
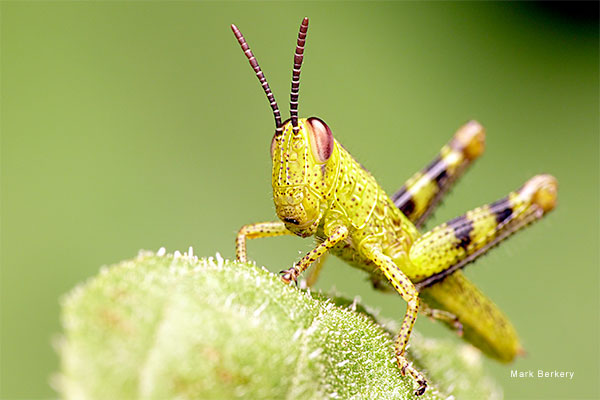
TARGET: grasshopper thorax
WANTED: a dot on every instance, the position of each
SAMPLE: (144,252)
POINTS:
(303,173)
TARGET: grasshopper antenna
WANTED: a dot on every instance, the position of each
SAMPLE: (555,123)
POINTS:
(298,58)
(261,77)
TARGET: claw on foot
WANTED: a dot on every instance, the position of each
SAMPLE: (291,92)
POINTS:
(289,275)
(405,367)
(421,389)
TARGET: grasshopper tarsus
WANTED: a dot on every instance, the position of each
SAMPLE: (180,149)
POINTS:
(289,275)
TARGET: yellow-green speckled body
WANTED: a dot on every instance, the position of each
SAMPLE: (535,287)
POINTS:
(360,203)
(315,197)
(320,190)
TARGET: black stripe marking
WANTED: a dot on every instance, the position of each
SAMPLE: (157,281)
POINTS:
(432,164)
(513,227)
(442,176)
(501,209)
(408,206)
(462,227)
(437,171)
(404,201)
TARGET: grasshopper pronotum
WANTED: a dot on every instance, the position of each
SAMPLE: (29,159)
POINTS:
(320,190)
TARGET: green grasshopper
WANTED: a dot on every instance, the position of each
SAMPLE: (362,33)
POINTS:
(320,190)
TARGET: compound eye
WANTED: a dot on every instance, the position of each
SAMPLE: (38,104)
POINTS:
(321,139)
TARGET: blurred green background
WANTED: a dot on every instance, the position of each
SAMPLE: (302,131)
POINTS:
(130,126)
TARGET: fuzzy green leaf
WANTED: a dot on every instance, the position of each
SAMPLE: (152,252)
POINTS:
(164,326)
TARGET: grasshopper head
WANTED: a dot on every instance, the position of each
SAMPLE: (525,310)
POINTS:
(302,176)
(301,149)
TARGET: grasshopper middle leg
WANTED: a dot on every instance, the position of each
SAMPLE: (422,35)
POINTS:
(444,316)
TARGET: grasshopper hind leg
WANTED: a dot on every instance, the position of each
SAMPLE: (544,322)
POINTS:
(424,190)
(439,254)
(456,243)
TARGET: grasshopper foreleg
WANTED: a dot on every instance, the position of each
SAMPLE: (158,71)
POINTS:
(316,270)
(406,289)
(338,234)
(254,231)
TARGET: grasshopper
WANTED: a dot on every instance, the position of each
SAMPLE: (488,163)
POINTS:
(320,190)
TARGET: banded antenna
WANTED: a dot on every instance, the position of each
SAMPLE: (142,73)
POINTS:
(261,77)
(298,58)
